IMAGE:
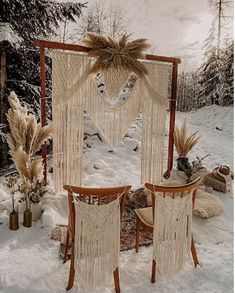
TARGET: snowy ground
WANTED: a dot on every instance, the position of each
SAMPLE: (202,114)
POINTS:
(29,259)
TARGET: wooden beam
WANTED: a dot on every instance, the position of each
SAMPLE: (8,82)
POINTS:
(172,107)
(79,48)
(61,46)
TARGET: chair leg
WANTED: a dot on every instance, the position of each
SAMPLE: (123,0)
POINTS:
(194,253)
(153,278)
(137,239)
(66,246)
(116,281)
(71,271)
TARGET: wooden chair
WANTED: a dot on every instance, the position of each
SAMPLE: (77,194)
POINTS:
(91,196)
(145,216)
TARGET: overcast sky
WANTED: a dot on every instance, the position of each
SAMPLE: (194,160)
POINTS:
(173,27)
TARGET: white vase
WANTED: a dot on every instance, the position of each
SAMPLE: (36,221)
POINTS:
(36,209)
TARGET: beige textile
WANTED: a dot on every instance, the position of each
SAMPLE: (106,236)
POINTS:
(75,91)
(172,232)
(97,241)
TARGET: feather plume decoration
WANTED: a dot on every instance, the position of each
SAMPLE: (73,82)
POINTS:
(183,143)
(115,54)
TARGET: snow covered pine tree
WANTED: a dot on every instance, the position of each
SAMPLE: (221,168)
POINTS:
(30,19)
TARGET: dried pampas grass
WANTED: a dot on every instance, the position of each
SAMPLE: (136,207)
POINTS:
(22,163)
(184,144)
(24,140)
(36,170)
(116,54)
(42,135)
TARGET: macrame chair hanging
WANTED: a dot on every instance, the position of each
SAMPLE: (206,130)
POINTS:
(94,233)
(171,214)
(65,102)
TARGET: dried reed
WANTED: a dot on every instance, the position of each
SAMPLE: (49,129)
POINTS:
(115,54)
(183,143)
(24,140)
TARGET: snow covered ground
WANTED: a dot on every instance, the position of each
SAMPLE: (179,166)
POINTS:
(29,259)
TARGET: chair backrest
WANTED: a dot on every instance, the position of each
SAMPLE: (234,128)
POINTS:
(94,223)
(97,196)
(172,216)
(172,191)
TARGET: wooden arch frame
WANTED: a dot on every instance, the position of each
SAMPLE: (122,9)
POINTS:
(42,44)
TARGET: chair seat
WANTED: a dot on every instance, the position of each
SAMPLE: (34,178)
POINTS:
(145,215)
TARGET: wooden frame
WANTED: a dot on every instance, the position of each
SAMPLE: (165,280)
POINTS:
(109,194)
(140,224)
(42,44)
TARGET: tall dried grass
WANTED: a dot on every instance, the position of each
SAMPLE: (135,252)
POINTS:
(24,140)
(183,143)
(115,54)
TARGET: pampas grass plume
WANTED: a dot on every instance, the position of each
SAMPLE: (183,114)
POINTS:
(183,143)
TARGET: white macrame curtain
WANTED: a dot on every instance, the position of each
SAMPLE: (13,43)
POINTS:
(97,241)
(75,91)
(172,234)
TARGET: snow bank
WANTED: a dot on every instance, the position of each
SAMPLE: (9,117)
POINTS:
(213,117)
(29,259)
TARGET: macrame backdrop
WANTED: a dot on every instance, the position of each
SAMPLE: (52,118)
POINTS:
(97,241)
(172,234)
(75,91)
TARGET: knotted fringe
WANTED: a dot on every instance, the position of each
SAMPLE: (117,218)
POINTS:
(172,232)
(75,91)
(97,241)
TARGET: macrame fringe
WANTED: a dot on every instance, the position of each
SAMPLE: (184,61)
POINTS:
(97,241)
(172,232)
(75,91)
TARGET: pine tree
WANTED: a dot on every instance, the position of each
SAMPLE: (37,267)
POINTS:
(228,69)
(211,74)
(37,18)
(30,19)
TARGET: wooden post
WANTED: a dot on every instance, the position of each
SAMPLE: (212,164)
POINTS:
(172,119)
(43,104)
(3,108)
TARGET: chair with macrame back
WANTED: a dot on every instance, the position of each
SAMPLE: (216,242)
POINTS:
(170,221)
(94,233)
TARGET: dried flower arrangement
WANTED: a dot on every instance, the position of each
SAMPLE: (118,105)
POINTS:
(11,183)
(25,139)
(184,144)
(111,53)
